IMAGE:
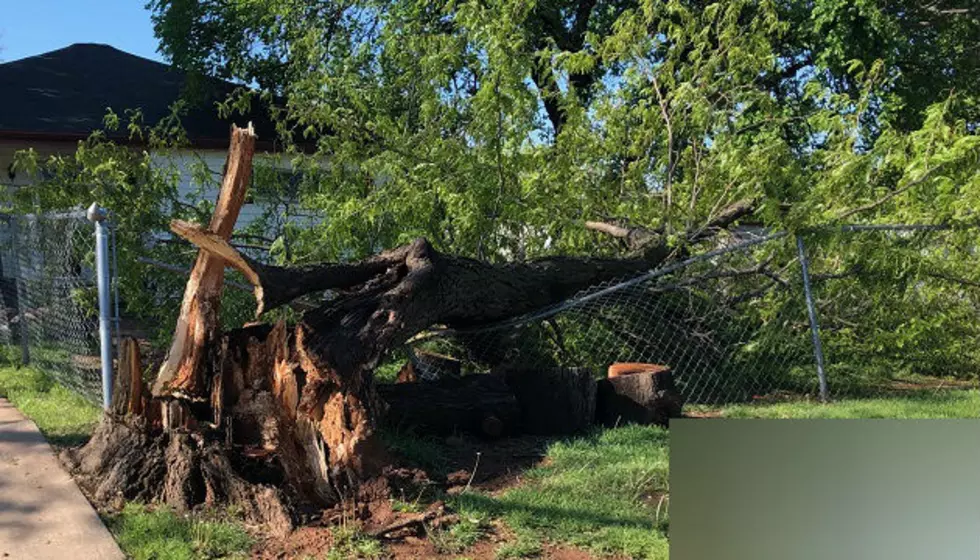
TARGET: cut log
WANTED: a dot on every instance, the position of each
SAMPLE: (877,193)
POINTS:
(184,372)
(628,368)
(482,405)
(639,398)
(555,401)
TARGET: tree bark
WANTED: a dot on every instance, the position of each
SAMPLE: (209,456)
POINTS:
(129,392)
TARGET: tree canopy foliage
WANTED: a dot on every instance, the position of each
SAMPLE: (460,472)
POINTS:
(494,127)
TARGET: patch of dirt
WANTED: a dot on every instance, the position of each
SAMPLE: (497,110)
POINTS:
(487,466)
(558,552)
(421,549)
(315,541)
(305,541)
(490,466)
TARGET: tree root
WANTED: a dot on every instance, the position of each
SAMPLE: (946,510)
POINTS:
(184,470)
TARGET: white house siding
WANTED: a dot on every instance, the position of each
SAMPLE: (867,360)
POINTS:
(184,163)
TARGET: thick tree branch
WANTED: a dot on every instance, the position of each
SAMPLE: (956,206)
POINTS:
(724,219)
(288,283)
(637,238)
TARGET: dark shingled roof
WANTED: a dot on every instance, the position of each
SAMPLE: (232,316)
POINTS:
(64,95)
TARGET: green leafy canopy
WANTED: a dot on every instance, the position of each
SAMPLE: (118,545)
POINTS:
(494,127)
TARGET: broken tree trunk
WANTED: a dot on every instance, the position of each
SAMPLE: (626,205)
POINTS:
(386,300)
(215,430)
(183,374)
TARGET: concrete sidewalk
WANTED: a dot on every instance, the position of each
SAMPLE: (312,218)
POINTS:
(42,513)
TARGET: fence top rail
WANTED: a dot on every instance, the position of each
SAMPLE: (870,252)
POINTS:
(59,215)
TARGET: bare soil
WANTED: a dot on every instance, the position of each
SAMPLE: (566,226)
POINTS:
(315,541)
(486,466)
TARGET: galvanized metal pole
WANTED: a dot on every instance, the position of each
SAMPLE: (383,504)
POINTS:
(812,310)
(19,280)
(115,287)
(98,216)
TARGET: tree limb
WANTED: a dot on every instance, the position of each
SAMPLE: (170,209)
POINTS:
(639,237)
(289,282)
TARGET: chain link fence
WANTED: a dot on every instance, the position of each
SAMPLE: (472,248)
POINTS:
(895,314)
(898,309)
(49,318)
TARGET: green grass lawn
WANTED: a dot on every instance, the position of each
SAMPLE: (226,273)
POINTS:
(946,404)
(605,492)
(160,534)
(62,416)
(602,492)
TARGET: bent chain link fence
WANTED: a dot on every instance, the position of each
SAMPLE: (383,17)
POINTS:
(49,316)
(732,324)
(898,307)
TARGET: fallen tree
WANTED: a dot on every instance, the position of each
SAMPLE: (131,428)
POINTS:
(283,417)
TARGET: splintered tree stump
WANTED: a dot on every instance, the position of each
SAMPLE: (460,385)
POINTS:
(638,398)
(555,401)
(184,373)
(125,460)
(475,404)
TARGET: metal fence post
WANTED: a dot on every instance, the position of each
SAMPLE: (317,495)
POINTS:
(812,310)
(115,286)
(98,215)
(25,343)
